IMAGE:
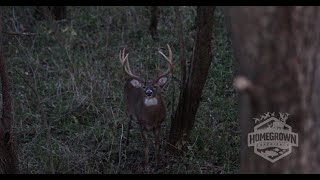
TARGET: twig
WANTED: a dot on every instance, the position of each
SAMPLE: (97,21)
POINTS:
(19,33)
(120,149)
(49,142)
(28,83)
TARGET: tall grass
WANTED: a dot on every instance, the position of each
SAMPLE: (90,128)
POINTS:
(66,84)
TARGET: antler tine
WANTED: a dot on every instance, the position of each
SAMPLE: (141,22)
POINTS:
(126,64)
(121,56)
(170,55)
(123,59)
(169,59)
(126,67)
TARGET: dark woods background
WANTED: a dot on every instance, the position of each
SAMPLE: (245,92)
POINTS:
(67,113)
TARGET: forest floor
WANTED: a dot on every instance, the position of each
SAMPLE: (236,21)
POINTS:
(67,90)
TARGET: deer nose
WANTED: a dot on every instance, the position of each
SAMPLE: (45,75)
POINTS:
(149,92)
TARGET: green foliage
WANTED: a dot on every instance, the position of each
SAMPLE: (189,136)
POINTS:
(68,79)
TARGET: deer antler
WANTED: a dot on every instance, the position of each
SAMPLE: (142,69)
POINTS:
(126,66)
(169,59)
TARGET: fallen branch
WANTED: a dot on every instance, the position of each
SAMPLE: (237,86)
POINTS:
(20,33)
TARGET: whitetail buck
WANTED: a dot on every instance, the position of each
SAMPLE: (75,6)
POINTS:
(144,102)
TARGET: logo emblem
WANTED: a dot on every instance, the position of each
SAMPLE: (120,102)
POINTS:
(272,138)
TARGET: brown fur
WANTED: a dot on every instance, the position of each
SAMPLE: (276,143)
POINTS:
(148,117)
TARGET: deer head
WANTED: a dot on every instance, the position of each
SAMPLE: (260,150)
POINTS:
(150,87)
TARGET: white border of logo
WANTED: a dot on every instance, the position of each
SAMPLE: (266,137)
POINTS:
(272,138)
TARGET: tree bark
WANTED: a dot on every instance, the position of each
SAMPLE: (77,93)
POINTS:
(54,12)
(8,157)
(182,60)
(278,53)
(153,28)
(190,97)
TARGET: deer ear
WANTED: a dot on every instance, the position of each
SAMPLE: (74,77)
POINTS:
(135,83)
(162,81)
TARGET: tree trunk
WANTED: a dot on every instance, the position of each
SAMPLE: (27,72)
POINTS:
(278,53)
(189,100)
(8,158)
(182,60)
(153,28)
(54,12)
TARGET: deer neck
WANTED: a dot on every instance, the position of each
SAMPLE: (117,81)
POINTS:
(151,101)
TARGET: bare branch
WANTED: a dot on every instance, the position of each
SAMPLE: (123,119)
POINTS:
(19,33)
